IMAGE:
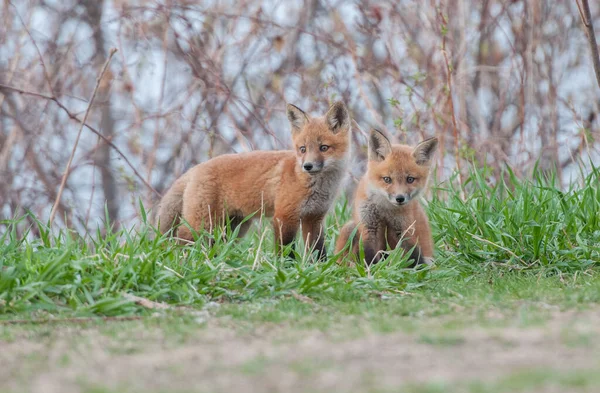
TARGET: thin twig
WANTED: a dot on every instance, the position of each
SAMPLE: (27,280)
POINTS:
(89,209)
(586,18)
(302,298)
(255,264)
(89,127)
(161,96)
(46,74)
(451,102)
(85,116)
(146,303)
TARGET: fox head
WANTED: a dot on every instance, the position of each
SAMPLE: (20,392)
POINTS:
(398,173)
(321,143)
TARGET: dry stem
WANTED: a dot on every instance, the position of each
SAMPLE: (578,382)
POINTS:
(586,18)
(85,116)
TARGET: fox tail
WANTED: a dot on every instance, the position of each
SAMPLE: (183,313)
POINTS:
(169,209)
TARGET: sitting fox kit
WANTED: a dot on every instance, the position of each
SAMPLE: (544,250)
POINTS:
(386,205)
(296,188)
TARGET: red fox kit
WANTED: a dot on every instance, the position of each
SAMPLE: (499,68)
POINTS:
(386,206)
(295,187)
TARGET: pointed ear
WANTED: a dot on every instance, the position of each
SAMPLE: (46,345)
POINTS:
(423,152)
(379,146)
(296,116)
(338,118)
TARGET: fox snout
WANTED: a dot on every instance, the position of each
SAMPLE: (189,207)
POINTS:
(312,166)
(400,199)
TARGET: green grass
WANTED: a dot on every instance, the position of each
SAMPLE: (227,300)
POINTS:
(436,314)
(522,225)
(528,381)
(515,240)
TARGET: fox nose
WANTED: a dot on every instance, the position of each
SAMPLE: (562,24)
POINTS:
(400,199)
(308,166)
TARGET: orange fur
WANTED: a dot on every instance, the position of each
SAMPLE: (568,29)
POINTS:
(295,187)
(386,205)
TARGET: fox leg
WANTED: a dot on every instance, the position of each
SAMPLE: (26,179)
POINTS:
(236,221)
(416,253)
(184,233)
(421,251)
(373,243)
(344,236)
(285,228)
(199,216)
(423,235)
(314,236)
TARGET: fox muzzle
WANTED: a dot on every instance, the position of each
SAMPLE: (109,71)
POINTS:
(312,167)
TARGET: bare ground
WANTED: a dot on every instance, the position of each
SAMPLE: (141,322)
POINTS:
(218,357)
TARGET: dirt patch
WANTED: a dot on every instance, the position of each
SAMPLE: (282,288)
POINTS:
(275,359)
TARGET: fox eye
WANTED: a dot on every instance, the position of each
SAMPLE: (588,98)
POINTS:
(324,148)
(410,179)
(302,149)
(387,179)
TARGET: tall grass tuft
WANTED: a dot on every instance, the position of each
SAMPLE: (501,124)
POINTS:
(519,224)
(523,226)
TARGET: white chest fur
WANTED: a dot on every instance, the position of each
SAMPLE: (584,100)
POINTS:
(323,190)
(377,211)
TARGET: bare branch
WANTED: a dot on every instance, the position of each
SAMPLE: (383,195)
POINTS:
(586,18)
(89,127)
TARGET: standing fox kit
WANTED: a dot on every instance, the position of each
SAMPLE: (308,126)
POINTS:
(386,205)
(295,187)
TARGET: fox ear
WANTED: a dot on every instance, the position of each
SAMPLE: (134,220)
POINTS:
(379,146)
(296,116)
(338,118)
(424,151)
